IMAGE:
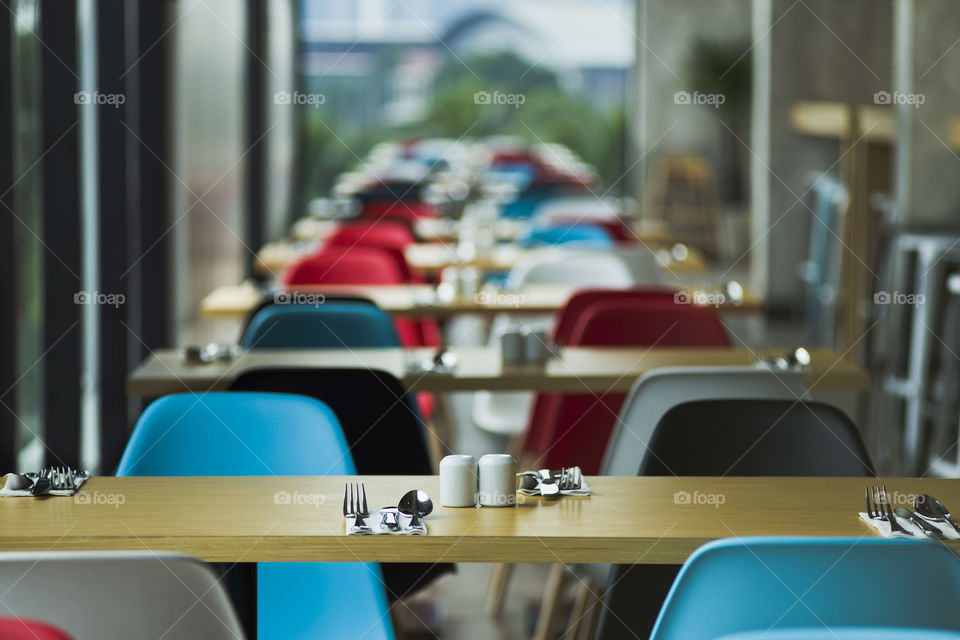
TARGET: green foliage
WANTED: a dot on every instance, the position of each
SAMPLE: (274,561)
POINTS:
(714,66)
(548,114)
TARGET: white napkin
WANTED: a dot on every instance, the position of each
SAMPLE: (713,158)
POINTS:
(375,520)
(10,493)
(884,528)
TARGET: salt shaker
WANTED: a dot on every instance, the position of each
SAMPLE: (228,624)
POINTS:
(535,349)
(458,481)
(511,346)
(498,480)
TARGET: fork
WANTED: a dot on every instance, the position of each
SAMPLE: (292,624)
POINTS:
(878,508)
(355,504)
(570,479)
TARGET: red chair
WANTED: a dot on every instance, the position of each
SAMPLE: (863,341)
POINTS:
(581,300)
(359,265)
(393,237)
(404,211)
(17,629)
(569,429)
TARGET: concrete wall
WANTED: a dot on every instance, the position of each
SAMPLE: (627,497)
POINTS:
(926,47)
(820,50)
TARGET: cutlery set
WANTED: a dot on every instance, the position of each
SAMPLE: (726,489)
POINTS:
(443,362)
(546,482)
(797,359)
(929,518)
(407,518)
(61,481)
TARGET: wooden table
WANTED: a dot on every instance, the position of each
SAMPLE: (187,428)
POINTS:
(576,370)
(448,230)
(420,300)
(280,519)
(431,258)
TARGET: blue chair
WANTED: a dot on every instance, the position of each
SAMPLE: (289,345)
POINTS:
(844,633)
(585,236)
(737,585)
(332,325)
(260,434)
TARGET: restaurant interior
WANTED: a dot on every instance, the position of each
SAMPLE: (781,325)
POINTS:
(456,319)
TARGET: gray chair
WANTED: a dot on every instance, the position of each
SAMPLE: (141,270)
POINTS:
(662,389)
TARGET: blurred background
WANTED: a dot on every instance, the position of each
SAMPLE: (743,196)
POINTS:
(148,149)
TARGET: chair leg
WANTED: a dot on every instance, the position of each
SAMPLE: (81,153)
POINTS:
(588,626)
(497,587)
(579,611)
(552,598)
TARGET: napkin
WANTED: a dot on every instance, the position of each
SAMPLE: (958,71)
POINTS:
(10,493)
(584,489)
(884,528)
(375,522)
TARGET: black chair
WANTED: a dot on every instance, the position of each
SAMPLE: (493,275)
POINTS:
(383,429)
(733,438)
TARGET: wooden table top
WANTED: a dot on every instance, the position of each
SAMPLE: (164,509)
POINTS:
(273,257)
(576,370)
(447,230)
(278,519)
(420,300)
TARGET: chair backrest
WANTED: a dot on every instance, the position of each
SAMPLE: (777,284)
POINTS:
(270,299)
(756,438)
(581,235)
(117,594)
(249,434)
(660,390)
(382,427)
(567,317)
(568,429)
(332,325)
(579,207)
(392,237)
(810,583)
(572,267)
(380,422)
(236,434)
(652,321)
(616,228)
(843,633)
(23,629)
(344,265)
(396,208)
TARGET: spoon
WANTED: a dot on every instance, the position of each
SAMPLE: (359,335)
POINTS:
(928,528)
(932,509)
(416,504)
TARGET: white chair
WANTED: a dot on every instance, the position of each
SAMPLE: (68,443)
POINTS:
(506,413)
(119,594)
(586,208)
(662,389)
